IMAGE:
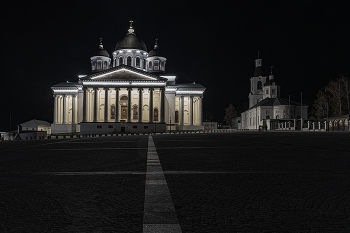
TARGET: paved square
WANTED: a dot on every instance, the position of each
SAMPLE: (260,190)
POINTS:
(218,182)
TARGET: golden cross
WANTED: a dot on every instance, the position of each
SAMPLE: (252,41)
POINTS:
(131,23)
(156,40)
(271,67)
(101,40)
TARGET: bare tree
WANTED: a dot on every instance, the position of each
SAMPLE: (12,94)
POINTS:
(333,99)
(230,113)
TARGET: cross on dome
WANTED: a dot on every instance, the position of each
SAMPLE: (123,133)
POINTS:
(131,30)
(156,40)
(101,40)
(271,67)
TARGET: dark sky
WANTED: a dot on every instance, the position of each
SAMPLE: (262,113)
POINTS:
(214,44)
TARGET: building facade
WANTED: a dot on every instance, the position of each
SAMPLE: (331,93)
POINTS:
(266,107)
(129,93)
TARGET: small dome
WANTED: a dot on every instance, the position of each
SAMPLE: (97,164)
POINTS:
(130,41)
(156,52)
(102,52)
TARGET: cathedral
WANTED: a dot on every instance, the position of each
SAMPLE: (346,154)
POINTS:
(127,92)
(266,107)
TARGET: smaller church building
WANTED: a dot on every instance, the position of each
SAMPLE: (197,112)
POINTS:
(266,106)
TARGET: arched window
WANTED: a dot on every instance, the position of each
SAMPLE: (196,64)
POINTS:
(128,61)
(124,97)
(150,65)
(99,65)
(105,65)
(144,63)
(259,85)
(93,65)
(267,117)
(120,61)
(155,114)
(162,66)
(156,65)
(135,113)
(138,62)
(177,116)
(267,91)
(273,91)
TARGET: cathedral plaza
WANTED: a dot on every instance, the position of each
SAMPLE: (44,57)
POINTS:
(275,181)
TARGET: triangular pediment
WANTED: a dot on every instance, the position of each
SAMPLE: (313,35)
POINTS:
(123,73)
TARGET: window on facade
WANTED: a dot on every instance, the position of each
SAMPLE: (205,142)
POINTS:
(128,61)
(259,85)
(150,65)
(267,117)
(93,65)
(99,65)
(99,126)
(124,97)
(277,116)
(115,62)
(144,64)
(273,91)
(120,61)
(145,127)
(155,114)
(138,62)
(176,116)
(105,65)
(112,112)
(134,126)
(162,66)
(267,91)
(156,65)
(110,126)
(135,113)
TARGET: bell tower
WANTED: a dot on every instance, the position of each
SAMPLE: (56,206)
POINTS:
(101,60)
(256,83)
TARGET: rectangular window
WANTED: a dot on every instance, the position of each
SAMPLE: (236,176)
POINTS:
(110,126)
(99,126)
(145,127)
(134,126)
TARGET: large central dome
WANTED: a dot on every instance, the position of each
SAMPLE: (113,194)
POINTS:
(130,41)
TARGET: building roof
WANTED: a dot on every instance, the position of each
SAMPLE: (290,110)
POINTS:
(190,85)
(130,41)
(36,123)
(275,102)
(66,84)
(129,73)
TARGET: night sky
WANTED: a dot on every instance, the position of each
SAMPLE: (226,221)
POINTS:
(215,44)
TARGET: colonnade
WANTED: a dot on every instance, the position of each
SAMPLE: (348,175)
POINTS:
(189,110)
(143,105)
(65,109)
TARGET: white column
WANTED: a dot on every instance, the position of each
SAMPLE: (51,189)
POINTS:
(55,109)
(200,111)
(73,109)
(181,110)
(95,104)
(140,104)
(106,104)
(64,109)
(191,110)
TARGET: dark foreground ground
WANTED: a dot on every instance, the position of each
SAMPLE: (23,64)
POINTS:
(220,182)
